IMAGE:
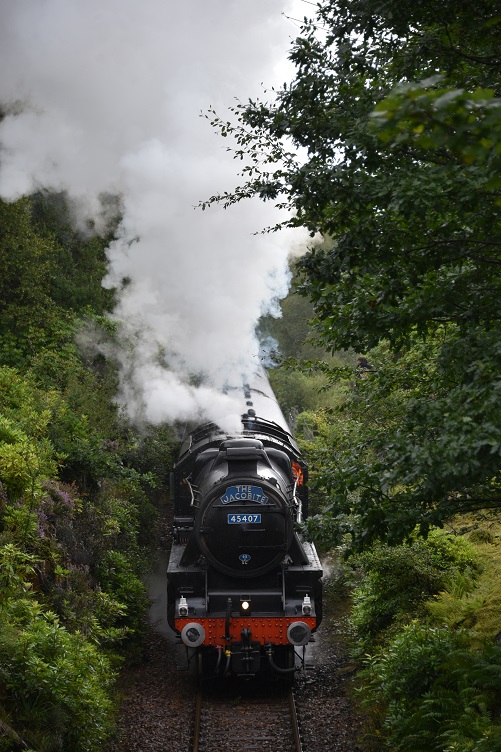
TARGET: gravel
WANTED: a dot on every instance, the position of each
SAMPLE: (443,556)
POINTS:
(157,701)
(329,719)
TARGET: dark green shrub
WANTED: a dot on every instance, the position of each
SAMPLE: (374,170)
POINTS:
(398,580)
(433,693)
(154,453)
(57,684)
(55,687)
(119,579)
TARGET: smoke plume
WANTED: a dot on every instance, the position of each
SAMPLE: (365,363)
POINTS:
(106,96)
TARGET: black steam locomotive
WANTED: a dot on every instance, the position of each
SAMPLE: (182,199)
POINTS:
(244,591)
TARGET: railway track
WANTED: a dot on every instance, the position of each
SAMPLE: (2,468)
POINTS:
(246,721)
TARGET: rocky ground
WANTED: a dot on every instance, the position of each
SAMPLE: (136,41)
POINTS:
(155,711)
(330,722)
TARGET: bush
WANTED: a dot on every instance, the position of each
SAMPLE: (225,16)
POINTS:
(398,580)
(55,686)
(119,579)
(56,683)
(93,560)
(431,692)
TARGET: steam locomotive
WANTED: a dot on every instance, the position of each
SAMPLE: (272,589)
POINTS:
(244,591)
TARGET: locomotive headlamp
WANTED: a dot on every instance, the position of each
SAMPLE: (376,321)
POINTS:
(298,633)
(245,605)
(193,634)
(306,607)
(183,606)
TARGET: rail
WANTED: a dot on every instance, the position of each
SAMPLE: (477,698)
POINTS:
(246,721)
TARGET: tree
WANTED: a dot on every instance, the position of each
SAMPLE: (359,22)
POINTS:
(396,107)
(27,265)
(80,253)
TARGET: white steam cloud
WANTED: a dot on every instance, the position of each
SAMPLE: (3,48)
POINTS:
(105,96)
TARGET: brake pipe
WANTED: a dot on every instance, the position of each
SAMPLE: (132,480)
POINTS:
(278,669)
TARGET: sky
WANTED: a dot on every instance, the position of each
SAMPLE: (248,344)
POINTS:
(107,96)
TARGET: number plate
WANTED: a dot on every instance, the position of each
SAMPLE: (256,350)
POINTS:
(243,519)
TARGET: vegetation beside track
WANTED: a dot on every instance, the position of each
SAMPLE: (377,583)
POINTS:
(76,490)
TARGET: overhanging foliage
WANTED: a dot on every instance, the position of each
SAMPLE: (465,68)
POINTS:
(396,112)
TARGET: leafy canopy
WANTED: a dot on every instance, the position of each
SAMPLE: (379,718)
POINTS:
(387,142)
